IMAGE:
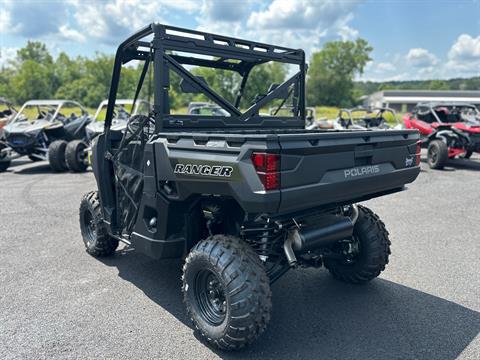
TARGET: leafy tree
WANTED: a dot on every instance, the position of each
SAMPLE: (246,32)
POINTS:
(32,81)
(260,79)
(437,85)
(35,51)
(332,70)
(227,84)
(67,70)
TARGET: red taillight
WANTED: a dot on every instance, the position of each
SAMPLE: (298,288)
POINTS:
(418,153)
(267,167)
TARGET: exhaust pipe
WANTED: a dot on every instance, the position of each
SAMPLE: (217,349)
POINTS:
(326,232)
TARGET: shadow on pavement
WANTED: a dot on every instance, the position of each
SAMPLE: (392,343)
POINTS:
(31,168)
(317,317)
(464,164)
(35,168)
(19,162)
(457,164)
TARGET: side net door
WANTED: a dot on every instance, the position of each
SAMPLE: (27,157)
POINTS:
(128,162)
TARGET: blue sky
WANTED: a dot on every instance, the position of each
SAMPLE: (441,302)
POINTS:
(411,39)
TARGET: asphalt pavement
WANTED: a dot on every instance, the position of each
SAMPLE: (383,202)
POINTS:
(57,302)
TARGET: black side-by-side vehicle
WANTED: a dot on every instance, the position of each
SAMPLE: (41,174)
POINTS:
(246,195)
(41,130)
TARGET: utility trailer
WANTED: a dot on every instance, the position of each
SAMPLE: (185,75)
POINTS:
(244,196)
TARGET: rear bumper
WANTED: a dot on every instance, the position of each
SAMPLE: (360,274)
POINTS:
(349,191)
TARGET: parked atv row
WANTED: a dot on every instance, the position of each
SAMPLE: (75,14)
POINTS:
(362,118)
(448,130)
(42,131)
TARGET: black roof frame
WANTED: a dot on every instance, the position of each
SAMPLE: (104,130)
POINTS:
(164,49)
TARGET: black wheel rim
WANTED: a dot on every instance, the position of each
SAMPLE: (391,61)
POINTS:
(90,227)
(433,155)
(82,155)
(210,297)
(351,250)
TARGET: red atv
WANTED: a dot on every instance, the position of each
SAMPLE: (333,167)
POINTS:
(448,130)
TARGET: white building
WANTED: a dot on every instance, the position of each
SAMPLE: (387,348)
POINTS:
(405,100)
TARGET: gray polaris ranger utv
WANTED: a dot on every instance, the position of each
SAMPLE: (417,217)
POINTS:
(244,196)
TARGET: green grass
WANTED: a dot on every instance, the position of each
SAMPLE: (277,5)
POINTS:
(322,112)
(329,112)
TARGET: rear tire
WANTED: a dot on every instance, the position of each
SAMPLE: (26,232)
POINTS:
(75,156)
(373,250)
(226,292)
(56,155)
(4,165)
(437,154)
(95,236)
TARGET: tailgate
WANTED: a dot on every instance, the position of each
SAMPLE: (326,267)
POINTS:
(337,167)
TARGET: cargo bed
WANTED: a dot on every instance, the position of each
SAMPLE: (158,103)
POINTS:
(317,168)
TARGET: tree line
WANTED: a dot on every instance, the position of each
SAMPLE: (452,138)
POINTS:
(35,74)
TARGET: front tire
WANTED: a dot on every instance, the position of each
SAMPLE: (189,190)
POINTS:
(437,154)
(75,156)
(56,155)
(372,248)
(226,292)
(95,236)
(4,158)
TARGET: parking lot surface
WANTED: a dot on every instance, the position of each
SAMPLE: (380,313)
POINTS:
(56,301)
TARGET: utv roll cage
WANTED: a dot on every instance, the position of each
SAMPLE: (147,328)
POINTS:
(347,117)
(7,104)
(122,102)
(56,104)
(428,110)
(167,52)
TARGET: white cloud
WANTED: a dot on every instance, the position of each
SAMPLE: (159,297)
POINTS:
(300,14)
(385,67)
(465,48)
(71,34)
(5,20)
(421,58)
(464,56)
(6,55)
(110,21)
(225,11)
(298,24)
(383,71)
